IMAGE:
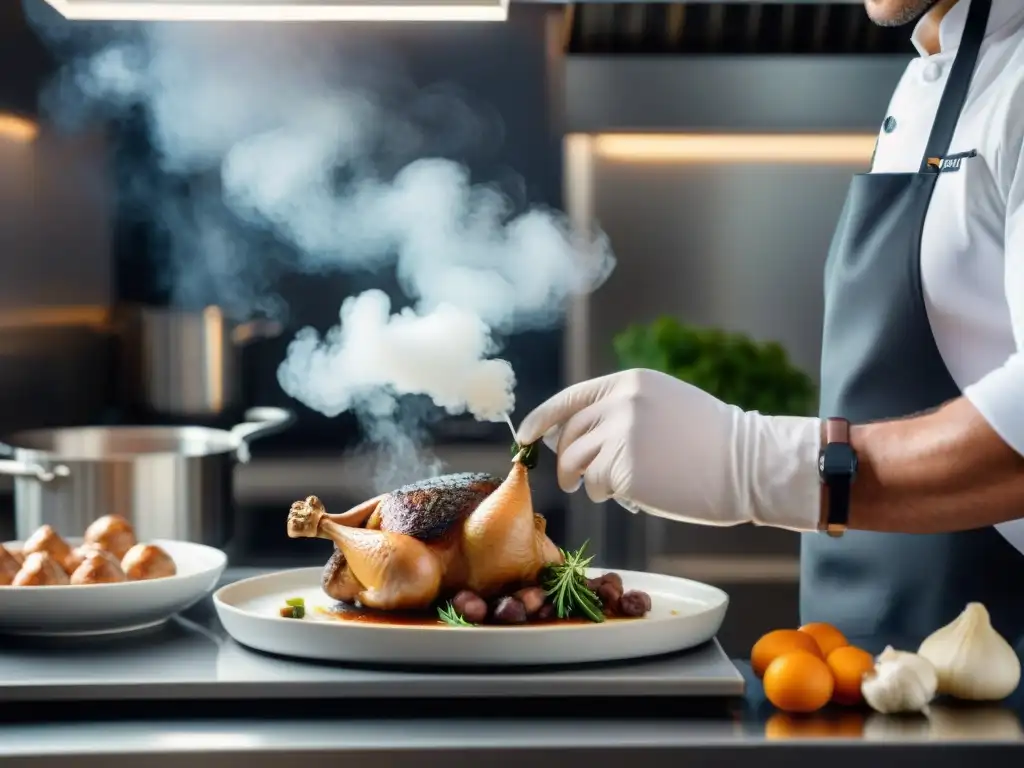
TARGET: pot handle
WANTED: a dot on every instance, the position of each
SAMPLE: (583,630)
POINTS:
(38,472)
(259,422)
(254,330)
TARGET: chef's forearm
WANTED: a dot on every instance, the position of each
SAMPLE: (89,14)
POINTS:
(943,471)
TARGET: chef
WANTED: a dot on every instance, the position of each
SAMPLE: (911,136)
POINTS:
(909,489)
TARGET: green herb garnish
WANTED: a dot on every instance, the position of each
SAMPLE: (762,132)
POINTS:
(451,617)
(295,608)
(566,584)
(528,455)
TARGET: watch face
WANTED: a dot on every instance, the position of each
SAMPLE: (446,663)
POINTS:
(837,460)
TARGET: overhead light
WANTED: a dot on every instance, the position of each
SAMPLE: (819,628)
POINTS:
(282,10)
(815,148)
(14,128)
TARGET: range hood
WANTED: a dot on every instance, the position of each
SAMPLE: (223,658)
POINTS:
(731,28)
(754,68)
(282,10)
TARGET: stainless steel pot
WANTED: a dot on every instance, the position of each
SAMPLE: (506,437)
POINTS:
(170,482)
(185,364)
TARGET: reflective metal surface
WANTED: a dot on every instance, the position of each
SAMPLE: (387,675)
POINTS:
(715,241)
(267,732)
(55,272)
(180,363)
(170,482)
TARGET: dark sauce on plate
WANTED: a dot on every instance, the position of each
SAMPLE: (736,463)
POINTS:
(356,614)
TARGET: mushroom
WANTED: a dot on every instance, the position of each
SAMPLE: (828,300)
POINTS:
(98,567)
(40,570)
(47,540)
(112,533)
(147,561)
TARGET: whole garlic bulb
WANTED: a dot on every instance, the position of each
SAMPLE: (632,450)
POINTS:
(973,661)
(900,682)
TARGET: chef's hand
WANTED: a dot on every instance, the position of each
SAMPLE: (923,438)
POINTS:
(674,450)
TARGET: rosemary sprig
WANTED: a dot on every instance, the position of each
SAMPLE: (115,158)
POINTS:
(527,455)
(451,617)
(566,584)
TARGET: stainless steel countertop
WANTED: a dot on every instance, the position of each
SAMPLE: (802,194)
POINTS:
(608,741)
(88,734)
(192,662)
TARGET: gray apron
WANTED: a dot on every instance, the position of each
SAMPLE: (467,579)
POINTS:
(880,361)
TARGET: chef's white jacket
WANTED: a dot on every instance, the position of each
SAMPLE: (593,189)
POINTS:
(972,248)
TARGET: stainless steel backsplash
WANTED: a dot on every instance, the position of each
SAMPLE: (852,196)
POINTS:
(735,245)
(55,280)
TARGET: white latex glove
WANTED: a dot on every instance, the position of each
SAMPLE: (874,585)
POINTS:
(651,441)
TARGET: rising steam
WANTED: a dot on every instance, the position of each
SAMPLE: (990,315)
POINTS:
(373,356)
(318,155)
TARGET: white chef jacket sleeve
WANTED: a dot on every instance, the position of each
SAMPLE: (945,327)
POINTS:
(999,396)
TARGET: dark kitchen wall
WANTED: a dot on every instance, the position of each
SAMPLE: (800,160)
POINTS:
(55,271)
(24,61)
(499,71)
(499,68)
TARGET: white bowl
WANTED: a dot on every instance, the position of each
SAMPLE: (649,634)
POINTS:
(107,608)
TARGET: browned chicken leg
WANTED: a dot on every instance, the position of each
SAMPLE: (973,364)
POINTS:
(337,580)
(397,572)
(504,543)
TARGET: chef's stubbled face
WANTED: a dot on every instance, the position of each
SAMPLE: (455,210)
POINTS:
(896,13)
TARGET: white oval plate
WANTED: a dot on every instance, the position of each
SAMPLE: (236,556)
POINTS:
(683,615)
(106,608)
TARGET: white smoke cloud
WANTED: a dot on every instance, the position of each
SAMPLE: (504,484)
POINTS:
(373,356)
(270,111)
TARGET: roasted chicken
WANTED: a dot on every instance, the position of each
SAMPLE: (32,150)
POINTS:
(406,549)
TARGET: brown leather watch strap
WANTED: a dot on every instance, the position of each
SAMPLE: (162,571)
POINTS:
(835,507)
(837,431)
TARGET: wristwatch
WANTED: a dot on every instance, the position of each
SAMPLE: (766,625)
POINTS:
(837,468)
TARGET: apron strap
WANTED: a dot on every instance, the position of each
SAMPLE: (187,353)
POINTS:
(955,93)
